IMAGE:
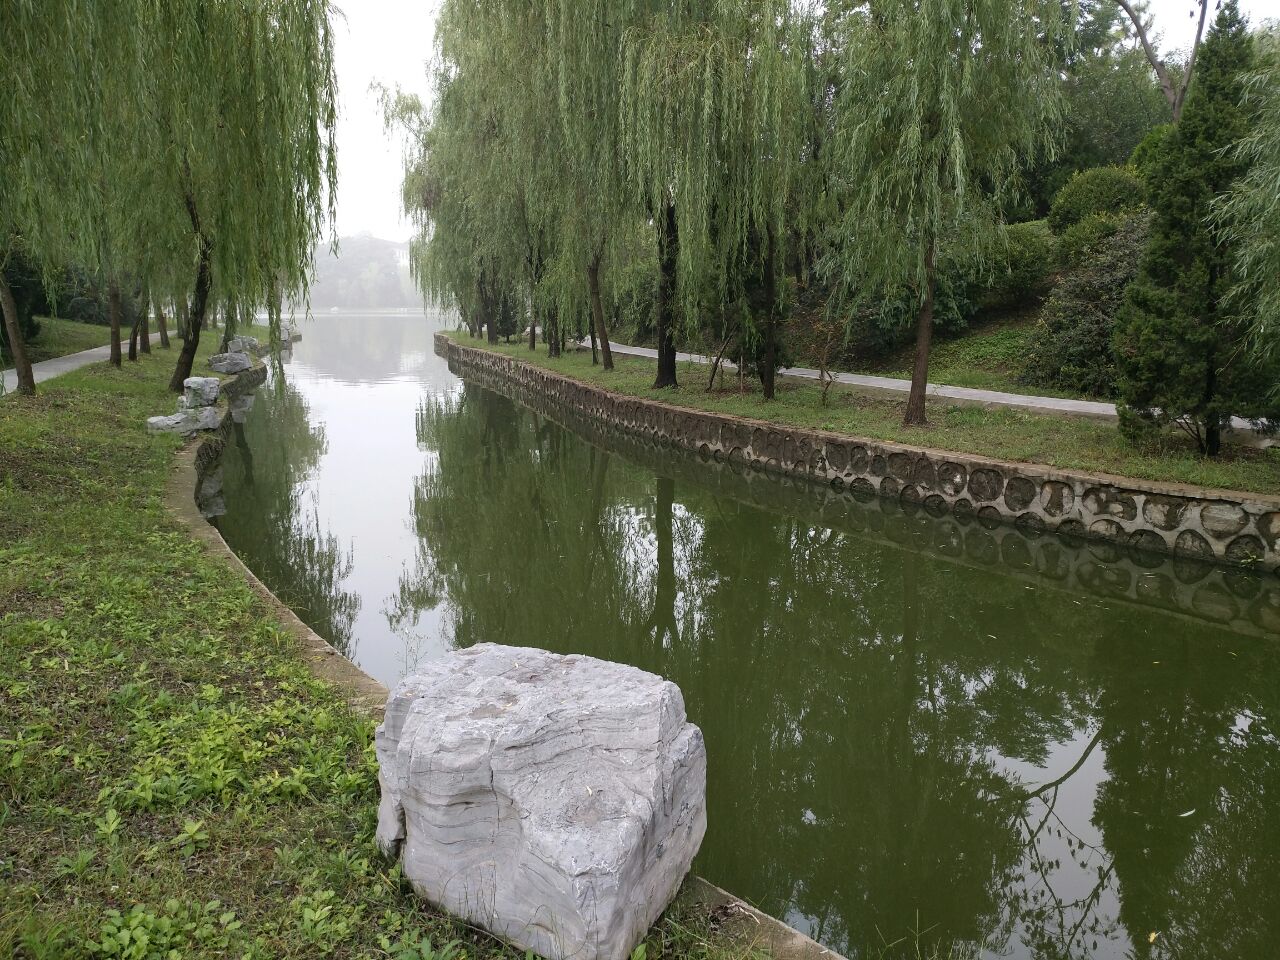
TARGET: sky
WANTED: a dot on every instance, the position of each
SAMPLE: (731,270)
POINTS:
(390,41)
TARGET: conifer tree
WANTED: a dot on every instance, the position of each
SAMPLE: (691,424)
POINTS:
(1181,347)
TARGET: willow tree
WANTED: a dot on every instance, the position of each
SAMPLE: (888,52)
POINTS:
(475,183)
(713,103)
(49,135)
(252,168)
(942,102)
(1251,212)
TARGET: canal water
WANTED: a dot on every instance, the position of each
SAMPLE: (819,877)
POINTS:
(921,736)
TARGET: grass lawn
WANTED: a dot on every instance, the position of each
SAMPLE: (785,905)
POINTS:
(1058,441)
(57,338)
(173,781)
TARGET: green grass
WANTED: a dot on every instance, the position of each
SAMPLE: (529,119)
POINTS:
(173,781)
(57,338)
(1057,441)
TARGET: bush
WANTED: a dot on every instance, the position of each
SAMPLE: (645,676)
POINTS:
(1105,190)
(1081,240)
(1025,270)
(1071,348)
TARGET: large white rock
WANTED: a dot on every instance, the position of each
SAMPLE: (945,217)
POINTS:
(230,362)
(244,344)
(556,801)
(201,391)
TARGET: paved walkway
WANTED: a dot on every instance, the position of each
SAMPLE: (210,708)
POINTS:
(994,398)
(47,369)
(987,398)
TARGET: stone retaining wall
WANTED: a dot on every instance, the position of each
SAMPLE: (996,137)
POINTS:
(1219,526)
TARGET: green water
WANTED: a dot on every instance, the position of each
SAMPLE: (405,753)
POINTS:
(918,733)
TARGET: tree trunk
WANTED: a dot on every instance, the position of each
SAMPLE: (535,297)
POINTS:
(144,325)
(768,372)
(163,326)
(134,330)
(595,347)
(187,355)
(551,333)
(533,328)
(668,248)
(17,348)
(915,414)
(600,332)
(113,297)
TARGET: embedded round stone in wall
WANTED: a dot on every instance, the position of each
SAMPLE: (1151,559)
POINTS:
(900,467)
(1245,549)
(963,508)
(1019,494)
(952,478)
(704,452)
(1110,502)
(879,466)
(985,484)
(736,455)
(935,505)
(859,459)
(1164,513)
(1072,530)
(923,473)
(1106,529)
(837,483)
(1148,547)
(862,489)
(1191,544)
(837,456)
(1222,519)
(889,487)
(910,497)
(1031,524)
(1269,527)
(989,517)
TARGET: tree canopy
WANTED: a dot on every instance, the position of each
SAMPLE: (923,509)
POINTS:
(185,147)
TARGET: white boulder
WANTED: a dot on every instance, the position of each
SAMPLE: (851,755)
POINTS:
(556,801)
(201,391)
(232,362)
(243,344)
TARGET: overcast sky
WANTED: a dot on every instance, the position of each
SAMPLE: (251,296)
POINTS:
(389,41)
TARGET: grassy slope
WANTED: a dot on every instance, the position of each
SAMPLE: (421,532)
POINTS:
(162,746)
(1065,442)
(57,338)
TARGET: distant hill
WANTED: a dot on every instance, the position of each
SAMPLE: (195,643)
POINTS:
(368,273)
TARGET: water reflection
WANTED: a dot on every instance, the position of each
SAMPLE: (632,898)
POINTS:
(276,525)
(916,729)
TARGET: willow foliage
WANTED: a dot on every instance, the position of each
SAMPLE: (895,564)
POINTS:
(163,142)
(714,109)
(1251,211)
(941,104)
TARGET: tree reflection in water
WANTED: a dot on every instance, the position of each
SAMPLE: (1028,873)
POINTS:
(288,547)
(897,741)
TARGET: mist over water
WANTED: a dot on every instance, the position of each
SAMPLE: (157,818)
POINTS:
(995,748)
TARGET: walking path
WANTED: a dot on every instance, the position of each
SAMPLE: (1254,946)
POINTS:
(988,398)
(47,369)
